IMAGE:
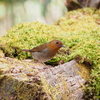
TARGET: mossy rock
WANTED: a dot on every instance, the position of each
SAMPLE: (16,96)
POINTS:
(83,36)
(27,36)
(18,81)
(78,30)
(26,80)
(12,89)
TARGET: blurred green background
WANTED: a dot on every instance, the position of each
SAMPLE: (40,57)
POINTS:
(13,12)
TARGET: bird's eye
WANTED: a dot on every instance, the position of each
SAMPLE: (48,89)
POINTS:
(57,42)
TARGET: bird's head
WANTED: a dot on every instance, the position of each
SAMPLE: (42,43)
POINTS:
(55,44)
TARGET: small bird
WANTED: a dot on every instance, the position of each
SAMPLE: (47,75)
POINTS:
(45,51)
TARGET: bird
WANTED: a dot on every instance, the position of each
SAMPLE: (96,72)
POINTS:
(46,51)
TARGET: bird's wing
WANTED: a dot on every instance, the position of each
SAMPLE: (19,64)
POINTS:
(39,48)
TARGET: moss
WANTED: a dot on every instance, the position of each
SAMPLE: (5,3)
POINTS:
(58,92)
(11,88)
(26,92)
(27,36)
(84,71)
(78,30)
(1,54)
(83,34)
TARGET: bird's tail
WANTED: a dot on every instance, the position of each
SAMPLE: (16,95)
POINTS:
(26,50)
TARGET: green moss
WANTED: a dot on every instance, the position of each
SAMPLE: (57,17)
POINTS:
(1,54)
(11,88)
(28,92)
(84,71)
(83,37)
(27,36)
(78,31)
(55,93)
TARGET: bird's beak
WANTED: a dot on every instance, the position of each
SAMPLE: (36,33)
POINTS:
(63,46)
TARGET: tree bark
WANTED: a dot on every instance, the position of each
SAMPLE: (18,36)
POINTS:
(76,4)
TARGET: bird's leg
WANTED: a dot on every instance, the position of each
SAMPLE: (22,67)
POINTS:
(46,67)
(43,64)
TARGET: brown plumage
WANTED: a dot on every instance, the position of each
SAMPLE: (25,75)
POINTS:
(45,51)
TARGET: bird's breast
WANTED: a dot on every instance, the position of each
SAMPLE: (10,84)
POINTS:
(44,55)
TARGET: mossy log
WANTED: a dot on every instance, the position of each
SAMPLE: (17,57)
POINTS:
(26,80)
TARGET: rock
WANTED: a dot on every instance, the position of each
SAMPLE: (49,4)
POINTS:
(26,80)
(68,73)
